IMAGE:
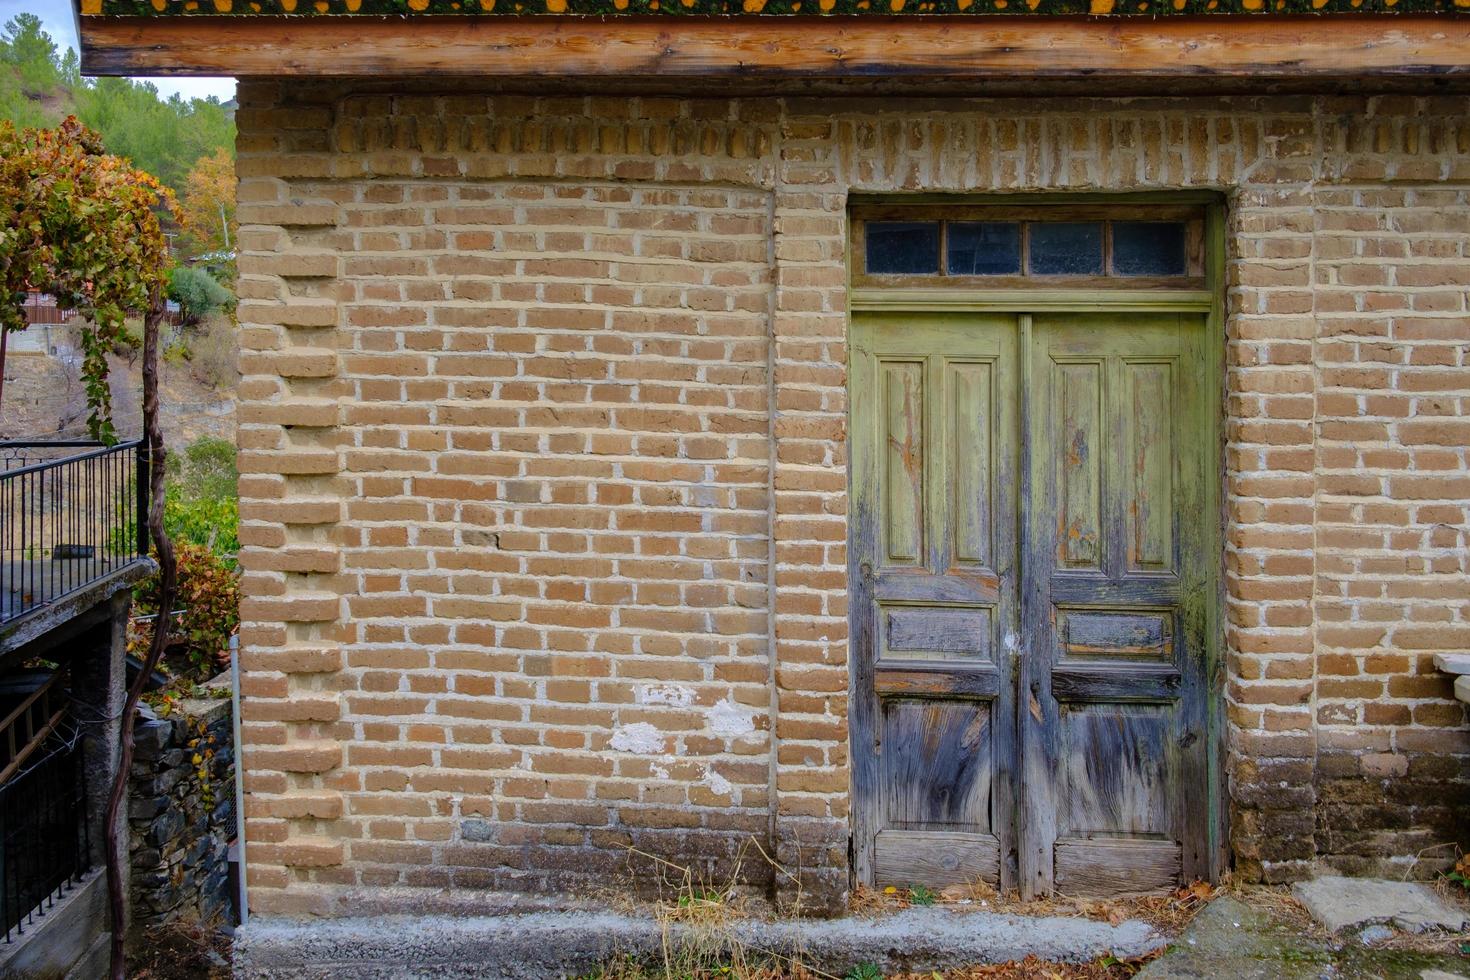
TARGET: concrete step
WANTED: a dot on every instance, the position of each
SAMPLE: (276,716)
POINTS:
(1453,663)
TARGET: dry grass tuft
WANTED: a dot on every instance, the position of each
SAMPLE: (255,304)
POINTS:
(698,918)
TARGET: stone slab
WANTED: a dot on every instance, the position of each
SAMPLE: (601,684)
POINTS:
(1231,940)
(1453,663)
(559,944)
(1340,903)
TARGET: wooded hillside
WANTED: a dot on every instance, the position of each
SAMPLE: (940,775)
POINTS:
(40,85)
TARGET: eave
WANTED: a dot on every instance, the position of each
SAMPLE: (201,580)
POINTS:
(1217,52)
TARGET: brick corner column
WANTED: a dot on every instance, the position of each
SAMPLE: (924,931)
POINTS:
(290,505)
(809,364)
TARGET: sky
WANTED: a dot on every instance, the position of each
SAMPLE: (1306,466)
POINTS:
(57,17)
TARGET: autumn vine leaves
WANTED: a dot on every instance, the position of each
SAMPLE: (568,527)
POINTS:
(84,226)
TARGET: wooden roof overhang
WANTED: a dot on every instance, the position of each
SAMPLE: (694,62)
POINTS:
(1099,45)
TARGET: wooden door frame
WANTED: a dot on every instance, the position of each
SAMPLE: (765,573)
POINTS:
(1209,301)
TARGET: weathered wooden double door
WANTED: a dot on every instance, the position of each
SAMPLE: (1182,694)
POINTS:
(1032,583)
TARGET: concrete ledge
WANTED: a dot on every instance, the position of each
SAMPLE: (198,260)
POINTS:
(544,945)
(58,943)
(34,623)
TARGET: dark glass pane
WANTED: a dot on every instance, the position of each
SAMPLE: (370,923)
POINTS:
(1148,248)
(907,247)
(1066,248)
(984,248)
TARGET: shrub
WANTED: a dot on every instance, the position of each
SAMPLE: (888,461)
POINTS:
(209,595)
(197,292)
(205,468)
(200,503)
(212,523)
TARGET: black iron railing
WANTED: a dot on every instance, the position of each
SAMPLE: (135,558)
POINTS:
(45,836)
(70,513)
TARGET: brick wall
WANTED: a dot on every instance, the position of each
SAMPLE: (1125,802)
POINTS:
(543,494)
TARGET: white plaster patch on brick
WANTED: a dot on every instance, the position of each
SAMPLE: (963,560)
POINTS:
(730,719)
(675,694)
(640,738)
(717,783)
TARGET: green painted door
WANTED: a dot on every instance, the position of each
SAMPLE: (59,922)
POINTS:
(934,476)
(1032,582)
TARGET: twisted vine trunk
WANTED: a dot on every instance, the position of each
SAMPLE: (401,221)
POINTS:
(167,588)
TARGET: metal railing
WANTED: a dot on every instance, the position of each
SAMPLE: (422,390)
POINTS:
(71,513)
(45,836)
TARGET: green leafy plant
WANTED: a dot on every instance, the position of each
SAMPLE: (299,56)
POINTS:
(864,971)
(201,505)
(1460,873)
(197,292)
(206,468)
(919,895)
(212,523)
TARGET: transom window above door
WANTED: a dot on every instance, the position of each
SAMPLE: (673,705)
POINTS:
(1004,246)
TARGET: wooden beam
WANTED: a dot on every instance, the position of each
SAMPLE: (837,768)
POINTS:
(1254,48)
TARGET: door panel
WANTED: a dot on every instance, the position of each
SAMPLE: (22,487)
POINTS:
(934,471)
(903,454)
(1031,582)
(1115,604)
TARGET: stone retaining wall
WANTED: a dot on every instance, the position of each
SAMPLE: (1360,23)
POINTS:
(181,812)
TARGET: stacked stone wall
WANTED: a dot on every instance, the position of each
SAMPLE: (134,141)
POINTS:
(181,813)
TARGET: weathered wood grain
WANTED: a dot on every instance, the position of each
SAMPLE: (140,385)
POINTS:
(1097,602)
(903,477)
(1090,633)
(940,631)
(1116,682)
(1116,867)
(1117,771)
(1217,48)
(905,858)
(935,681)
(1078,444)
(936,765)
